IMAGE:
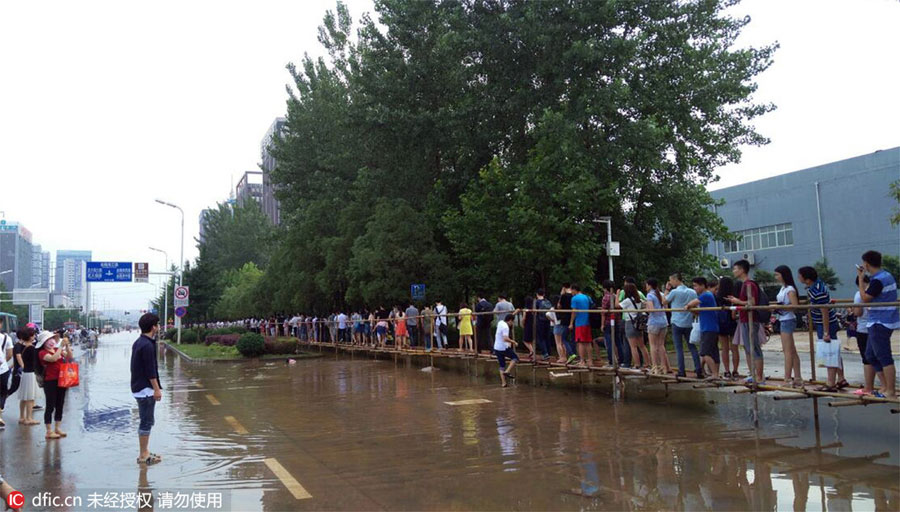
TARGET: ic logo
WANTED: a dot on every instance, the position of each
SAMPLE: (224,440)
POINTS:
(15,500)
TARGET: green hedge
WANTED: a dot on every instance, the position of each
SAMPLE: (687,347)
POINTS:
(251,345)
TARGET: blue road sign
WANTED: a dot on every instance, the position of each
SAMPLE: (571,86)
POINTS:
(180,311)
(417,291)
(108,272)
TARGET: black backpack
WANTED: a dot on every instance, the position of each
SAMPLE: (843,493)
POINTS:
(763,316)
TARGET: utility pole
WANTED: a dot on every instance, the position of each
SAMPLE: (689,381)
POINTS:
(165,290)
(181,262)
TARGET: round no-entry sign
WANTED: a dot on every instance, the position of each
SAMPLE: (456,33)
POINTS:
(180,311)
(181,292)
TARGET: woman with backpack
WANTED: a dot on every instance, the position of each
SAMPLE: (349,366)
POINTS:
(51,352)
(787,296)
(635,323)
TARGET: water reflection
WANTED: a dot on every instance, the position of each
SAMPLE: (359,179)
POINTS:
(378,435)
(609,456)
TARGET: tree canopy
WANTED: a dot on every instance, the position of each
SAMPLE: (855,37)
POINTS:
(474,144)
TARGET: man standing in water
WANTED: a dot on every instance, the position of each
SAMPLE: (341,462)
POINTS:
(505,348)
(145,386)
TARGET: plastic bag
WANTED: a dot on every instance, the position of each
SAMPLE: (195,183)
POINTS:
(695,333)
(68,375)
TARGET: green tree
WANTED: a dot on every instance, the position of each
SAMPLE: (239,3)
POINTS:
(895,193)
(827,274)
(891,264)
(501,131)
(238,297)
(235,235)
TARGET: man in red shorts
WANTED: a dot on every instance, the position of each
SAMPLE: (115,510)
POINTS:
(581,322)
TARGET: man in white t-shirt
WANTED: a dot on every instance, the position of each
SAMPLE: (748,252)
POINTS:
(440,325)
(505,348)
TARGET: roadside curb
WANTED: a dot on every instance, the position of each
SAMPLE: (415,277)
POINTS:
(280,357)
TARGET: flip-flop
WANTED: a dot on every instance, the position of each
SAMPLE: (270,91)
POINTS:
(861,392)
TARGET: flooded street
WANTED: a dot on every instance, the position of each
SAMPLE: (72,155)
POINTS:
(340,434)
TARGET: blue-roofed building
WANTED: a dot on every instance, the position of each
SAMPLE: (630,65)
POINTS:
(835,211)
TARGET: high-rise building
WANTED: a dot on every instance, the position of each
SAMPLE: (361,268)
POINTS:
(70,278)
(16,258)
(270,204)
(37,262)
(45,269)
(250,187)
(204,217)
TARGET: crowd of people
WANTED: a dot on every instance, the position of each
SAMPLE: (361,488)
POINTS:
(32,363)
(631,320)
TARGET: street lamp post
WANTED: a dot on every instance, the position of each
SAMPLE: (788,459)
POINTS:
(165,290)
(608,221)
(181,261)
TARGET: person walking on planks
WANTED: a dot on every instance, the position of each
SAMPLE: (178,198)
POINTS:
(882,320)
(748,333)
(828,345)
(505,348)
(709,326)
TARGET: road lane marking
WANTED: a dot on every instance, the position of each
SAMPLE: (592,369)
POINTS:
(213,400)
(289,481)
(472,401)
(236,425)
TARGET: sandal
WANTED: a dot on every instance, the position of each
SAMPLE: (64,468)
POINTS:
(826,389)
(862,392)
(52,435)
(149,461)
(842,384)
(60,433)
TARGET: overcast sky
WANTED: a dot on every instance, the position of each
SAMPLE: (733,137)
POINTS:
(107,105)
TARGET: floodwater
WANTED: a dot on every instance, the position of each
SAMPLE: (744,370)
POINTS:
(369,435)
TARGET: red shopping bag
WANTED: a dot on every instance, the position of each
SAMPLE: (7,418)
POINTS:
(68,375)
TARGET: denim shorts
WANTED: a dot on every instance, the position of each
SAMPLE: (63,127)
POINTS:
(878,348)
(657,329)
(788,326)
(560,330)
(146,407)
(503,355)
(750,341)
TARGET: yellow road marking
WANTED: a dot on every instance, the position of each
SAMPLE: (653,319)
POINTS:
(473,401)
(290,482)
(236,425)
(213,400)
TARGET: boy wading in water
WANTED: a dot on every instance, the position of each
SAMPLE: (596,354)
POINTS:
(505,348)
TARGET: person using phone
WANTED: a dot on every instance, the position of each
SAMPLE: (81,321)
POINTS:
(51,351)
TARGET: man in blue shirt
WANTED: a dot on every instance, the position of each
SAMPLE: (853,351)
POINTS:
(709,326)
(882,319)
(817,293)
(581,323)
(680,296)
